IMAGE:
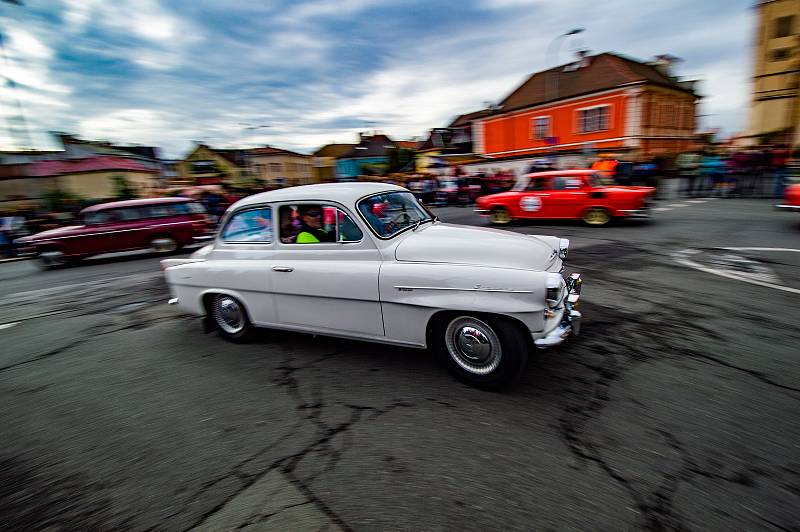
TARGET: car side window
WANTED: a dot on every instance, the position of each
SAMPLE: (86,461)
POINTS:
(348,230)
(538,184)
(316,224)
(95,217)
(126,215)
(251,225)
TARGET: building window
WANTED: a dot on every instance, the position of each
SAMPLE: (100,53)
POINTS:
(202,167)
(593,119)
(291,167)
(781,54)
(541,127)
(783,26)
(275,167)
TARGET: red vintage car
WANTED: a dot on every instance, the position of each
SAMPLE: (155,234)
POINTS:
(160,224)
(791,199)
(567,194)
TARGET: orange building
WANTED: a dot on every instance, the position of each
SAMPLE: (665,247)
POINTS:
(603,103)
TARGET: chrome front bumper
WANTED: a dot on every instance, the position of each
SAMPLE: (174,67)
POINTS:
(795,208)
(571,319)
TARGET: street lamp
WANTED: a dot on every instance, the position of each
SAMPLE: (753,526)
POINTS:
(552,51)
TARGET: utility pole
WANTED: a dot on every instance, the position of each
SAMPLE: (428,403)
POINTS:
(17,125)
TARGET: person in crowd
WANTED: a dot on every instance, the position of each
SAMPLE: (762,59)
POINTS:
(623,173)
(688,164)
(606,165)
(643,172)
(310,231)
(779,161)
(711,173)
(11,227)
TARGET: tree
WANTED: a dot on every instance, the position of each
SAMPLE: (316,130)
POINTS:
(123,188)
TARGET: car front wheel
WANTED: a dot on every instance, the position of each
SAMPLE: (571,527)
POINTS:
(487,352)
(230,318)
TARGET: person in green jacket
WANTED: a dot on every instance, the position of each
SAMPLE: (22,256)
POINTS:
(311,231)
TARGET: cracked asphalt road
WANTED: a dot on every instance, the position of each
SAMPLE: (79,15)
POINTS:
(678,407)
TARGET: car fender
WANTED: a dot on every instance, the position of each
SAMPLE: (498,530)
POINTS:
(411,292)
(53,244)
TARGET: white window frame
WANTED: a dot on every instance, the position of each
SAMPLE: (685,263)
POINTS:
(548,132)
(579,126)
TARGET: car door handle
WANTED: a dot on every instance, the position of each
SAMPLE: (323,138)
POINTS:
(283,268)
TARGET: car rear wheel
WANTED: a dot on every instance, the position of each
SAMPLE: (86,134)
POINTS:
(596,216)
(500,216)
(163,245)
(487,352)
(230,318)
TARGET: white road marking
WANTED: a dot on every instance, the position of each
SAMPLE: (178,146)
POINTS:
(662,209)
(763,249)
(678,205)
(681,258)
(8,325)
(696,201)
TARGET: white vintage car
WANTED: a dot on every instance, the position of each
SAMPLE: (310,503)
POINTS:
(368,261)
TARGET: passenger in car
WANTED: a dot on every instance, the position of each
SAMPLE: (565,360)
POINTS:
(311,226)
(288,230)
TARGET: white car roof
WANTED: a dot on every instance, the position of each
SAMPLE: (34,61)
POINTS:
(344,193)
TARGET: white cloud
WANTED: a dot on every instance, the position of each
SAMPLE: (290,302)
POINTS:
(288,67)
(126,125)
(504,4)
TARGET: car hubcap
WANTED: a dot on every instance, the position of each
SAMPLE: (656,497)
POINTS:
(500,217)
(596,217)
(228,314)
(51,258)
(473,345)
(163,245)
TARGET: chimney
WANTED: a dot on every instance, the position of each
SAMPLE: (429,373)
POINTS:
(663,63)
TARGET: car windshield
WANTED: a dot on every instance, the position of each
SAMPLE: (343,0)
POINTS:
(522,184)
(390,213)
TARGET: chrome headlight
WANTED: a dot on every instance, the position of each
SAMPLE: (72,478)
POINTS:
(563,248)
(554,292)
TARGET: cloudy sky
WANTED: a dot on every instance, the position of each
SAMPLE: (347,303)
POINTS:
(170,72)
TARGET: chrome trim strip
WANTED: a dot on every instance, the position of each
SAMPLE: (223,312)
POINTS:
(788,207)
(504,290)
(57,237)
(174,223)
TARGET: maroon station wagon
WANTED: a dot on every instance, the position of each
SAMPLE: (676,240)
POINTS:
(162,225)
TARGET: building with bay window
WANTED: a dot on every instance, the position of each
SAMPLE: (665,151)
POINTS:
(606,103)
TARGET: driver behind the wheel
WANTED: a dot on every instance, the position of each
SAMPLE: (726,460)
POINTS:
(311,231)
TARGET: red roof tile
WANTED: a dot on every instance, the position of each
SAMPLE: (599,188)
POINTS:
(600,72)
